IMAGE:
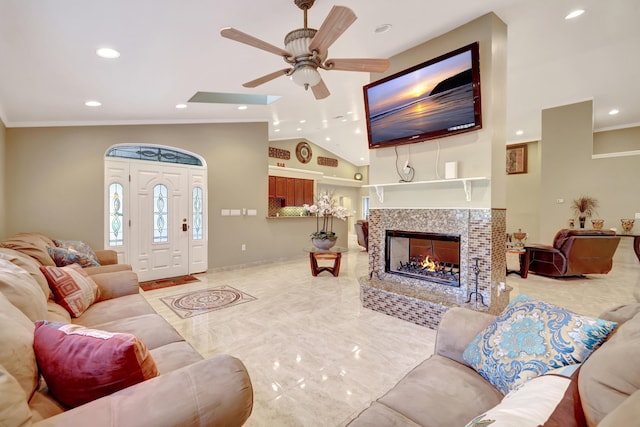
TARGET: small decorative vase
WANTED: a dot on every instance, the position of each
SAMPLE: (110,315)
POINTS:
(597,224)
(627,224)
(324,244)
(520,236)
(582,221)
(572,223)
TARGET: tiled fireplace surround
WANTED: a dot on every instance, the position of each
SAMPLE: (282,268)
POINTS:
(482,235)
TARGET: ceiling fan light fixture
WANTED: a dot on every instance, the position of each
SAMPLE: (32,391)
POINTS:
(306,76)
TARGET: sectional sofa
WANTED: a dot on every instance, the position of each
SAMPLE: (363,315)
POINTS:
(105,358)
(452,389)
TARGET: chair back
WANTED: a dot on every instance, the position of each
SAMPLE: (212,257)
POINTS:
(362,231)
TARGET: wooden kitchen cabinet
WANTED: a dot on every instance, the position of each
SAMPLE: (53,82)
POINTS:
(281,187)
(293,191)
(290,200)
(272,186)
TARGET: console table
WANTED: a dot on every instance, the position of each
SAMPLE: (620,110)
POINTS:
(636,242)
(334,254)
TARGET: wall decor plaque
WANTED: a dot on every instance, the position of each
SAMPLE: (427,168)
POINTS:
(279,153)
(328,161)
(303,152)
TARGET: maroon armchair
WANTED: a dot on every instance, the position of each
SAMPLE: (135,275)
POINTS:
(362,231)
(573,253)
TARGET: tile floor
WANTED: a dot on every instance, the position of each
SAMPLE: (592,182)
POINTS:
(317,358)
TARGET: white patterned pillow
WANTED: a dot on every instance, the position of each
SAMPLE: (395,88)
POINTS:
(529,338)
(529,406)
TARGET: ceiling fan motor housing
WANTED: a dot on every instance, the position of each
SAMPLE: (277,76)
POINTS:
(304,4)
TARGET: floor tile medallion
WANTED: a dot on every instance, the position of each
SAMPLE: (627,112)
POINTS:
(203,301)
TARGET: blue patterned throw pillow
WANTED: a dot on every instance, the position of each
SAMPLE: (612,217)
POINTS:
(529,338)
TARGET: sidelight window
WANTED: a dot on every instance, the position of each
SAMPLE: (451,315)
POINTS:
(116,232)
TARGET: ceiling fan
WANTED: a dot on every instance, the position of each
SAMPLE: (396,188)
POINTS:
(306,51)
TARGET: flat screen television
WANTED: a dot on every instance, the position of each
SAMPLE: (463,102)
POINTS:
(437,98)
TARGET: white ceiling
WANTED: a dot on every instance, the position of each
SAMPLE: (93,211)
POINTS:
(172,49)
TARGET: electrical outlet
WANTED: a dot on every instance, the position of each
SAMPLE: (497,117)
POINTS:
(637,215)
(559,201)
(244,247)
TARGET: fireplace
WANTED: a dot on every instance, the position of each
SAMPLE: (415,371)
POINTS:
(432,257)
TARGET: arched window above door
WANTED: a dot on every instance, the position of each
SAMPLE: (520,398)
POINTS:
(154,154)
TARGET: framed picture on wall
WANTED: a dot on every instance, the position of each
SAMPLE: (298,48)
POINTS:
(516,159)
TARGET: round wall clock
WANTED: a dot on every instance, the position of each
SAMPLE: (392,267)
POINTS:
(303,152)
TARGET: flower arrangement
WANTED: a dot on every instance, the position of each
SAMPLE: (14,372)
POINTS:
(585,206)
(326,208)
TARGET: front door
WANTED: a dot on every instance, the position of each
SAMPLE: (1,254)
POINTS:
(160,216)
(160,220)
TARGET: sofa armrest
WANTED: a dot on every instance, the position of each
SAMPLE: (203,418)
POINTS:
(212,392)
(457,329)
(116,284)
(106,256)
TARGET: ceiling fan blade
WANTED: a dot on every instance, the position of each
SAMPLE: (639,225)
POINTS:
(336,23)
(320,91)
(239,36)
(358,64)
(268,77)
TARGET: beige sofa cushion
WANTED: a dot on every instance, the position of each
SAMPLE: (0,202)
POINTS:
(610,375)
(16,350)
(22,290)
(441,392)
(13,403)
(32,244)
(627,414)
(29,264)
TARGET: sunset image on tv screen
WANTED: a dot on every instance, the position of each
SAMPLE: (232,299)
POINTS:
(435,98)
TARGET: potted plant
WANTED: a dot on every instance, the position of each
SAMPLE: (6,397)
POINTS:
(325,208)
(584,207)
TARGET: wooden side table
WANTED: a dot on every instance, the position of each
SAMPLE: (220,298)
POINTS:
(333,254)
(524,265)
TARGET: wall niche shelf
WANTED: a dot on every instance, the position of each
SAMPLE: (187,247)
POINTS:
(466,185)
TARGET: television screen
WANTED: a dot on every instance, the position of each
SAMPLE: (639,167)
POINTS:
(437,98)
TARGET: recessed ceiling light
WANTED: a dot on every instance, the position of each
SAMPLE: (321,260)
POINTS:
(108,53)
(519,132)
(298,129)
(181,106)
(382,28)
(361,158)
(242,107)
(614,112)
(327,139)
(358,131)
(93,104)
(276,122)
(574,14)
(276,130)
(303,121)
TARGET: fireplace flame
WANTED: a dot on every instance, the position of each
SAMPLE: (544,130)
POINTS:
(429,264)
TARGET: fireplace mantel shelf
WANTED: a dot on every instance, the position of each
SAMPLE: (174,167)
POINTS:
(466,185)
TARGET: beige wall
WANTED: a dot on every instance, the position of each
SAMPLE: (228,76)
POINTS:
(345,169)
(617,141)
(479,153)
(523,196)
(3,181)
(569,171)
(57,185)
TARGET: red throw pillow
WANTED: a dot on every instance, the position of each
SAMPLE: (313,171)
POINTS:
(81,364)
(72,288)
